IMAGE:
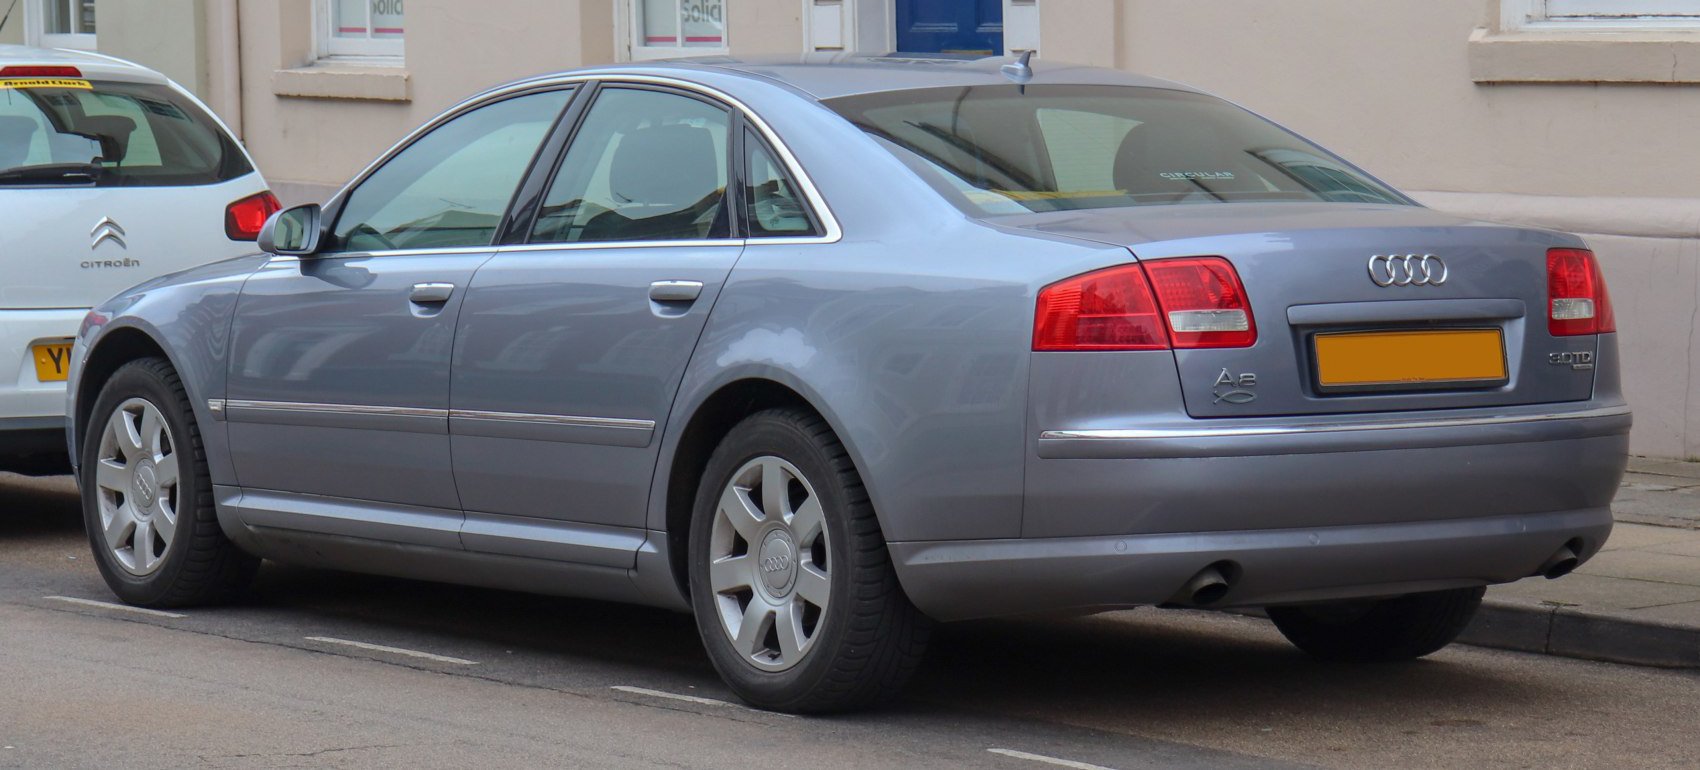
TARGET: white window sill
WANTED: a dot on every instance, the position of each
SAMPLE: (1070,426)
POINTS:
(1544,54)
(336,80)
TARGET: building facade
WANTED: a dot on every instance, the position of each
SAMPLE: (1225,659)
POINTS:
(1581,115)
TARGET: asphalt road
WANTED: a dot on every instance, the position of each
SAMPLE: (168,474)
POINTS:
(512,680)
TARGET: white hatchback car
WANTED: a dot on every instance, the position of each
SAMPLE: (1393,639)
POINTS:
(110,174)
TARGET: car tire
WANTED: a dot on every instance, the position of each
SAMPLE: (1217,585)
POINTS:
(1401,628)
(144,478)
(863,638)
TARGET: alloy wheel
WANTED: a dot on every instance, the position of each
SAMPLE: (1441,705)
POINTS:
(768,563)
(136,478)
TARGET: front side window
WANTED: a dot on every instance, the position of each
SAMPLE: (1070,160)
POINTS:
(644,166)
(666,28)
(773,207)
(73,132)
(367,29)
(1010,150)
(451,187)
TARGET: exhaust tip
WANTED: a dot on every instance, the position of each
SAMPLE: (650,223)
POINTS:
(1209,586)
(1564,561)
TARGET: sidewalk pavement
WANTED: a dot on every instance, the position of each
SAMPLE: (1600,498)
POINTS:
(1637,601)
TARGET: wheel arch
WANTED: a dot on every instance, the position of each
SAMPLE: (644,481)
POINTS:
(708,424)
(114,348)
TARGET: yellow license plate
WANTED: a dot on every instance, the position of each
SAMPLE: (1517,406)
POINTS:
(1389,360)
(52,362)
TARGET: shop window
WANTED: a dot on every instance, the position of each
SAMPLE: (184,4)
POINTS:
(668,28)
(370,30)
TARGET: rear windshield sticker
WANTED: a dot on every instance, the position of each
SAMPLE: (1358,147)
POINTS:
(1179,175)
(45,83)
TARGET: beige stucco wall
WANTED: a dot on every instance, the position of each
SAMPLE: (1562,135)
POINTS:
(160,34)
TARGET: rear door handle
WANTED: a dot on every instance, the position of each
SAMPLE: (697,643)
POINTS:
(431,293)
(675,291)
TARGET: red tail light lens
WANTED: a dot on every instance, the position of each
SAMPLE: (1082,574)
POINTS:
(1197,302)
(244,218)
(1577,302)
(39,71)
(1204,304)
(1111,309)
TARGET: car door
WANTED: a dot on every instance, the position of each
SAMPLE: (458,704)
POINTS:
(338,400)
(572,345)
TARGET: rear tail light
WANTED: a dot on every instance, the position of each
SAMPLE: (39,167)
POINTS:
(244,218)
(1576,293)
(1197,302)
(1203,302)
(1109,309)
(39,71)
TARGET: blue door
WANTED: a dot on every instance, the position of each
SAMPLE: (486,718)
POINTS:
(950,26)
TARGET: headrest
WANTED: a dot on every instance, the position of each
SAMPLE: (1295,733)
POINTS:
(673,165)
(16,134)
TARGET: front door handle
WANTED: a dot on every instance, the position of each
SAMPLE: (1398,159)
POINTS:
(675,291)
(431,293)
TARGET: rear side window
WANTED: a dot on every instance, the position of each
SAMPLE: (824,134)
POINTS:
(109,134)
(1008,149)
(773,207)
(645,166)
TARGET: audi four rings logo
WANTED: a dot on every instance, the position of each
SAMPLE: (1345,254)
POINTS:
(775,563)
(1407,270)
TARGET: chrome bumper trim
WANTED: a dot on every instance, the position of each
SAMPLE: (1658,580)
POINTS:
(1158,434)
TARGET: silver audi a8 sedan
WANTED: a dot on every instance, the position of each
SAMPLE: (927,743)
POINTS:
(827,352)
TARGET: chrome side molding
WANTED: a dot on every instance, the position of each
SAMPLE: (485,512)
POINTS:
(618,423)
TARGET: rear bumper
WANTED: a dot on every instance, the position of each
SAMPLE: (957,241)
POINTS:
(973,579)
(1301,510)
(21,394)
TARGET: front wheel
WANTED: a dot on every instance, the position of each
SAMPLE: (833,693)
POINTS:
(147,496)
(1394,629)
(794,592)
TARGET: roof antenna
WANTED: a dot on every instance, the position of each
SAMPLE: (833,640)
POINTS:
(1019,71)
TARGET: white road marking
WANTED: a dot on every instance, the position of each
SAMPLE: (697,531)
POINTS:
(115,606)
(1047,760)
(673,696)
(393,650)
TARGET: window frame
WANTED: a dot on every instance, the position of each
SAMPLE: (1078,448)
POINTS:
(637,49)
(333,209)
(35,28)
(368,51)
(1596,15)
(521,233)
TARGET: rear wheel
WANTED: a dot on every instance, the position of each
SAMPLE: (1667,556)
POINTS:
(794,592)
(147,496)
(1401,628)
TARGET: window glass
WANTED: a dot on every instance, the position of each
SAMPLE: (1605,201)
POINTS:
(450,187)
(363,27)
(109,134)
(68,17)
(644,166)
(772,203)
(998,149)
(681,23)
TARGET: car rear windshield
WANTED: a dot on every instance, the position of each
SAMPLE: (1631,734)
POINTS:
(1008,149)
(73,132)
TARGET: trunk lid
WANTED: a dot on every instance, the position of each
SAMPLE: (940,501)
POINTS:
(1306,271)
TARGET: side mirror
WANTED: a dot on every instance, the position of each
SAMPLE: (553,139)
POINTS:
(292,232)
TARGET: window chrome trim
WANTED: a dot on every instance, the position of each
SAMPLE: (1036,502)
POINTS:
(1159,434)
(617,423)
(831,231)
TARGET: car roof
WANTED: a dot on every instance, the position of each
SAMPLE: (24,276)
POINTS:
(93,65)
(830,75)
